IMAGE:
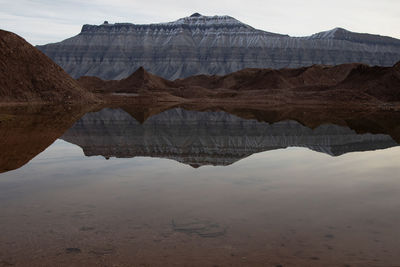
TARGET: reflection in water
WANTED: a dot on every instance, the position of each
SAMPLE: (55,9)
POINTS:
(202,138)
(283,207)
(27,131)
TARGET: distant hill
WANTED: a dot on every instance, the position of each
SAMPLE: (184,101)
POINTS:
(211,45)
(137,82)
(318,83)
(27,75)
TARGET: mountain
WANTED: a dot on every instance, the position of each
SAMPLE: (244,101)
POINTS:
(208,138)
(29,75)
(209,45)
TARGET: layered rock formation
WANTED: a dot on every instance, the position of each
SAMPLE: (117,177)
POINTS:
(27,75)
(209,45)
(208,138)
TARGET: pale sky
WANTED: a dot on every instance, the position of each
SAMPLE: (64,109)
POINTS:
(46,21)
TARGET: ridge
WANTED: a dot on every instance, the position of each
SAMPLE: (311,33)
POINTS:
(346,35)
(211,45)
(194,21)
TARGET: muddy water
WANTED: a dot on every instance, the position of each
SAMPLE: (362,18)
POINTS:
(284,207)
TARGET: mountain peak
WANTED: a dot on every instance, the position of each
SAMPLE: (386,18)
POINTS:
(355,37)
(194,21)
(195,15)
(199,20)
(140,76)
(140,70)
(331,34)
(141,79)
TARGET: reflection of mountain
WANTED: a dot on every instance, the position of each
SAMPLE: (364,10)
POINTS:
(202,138)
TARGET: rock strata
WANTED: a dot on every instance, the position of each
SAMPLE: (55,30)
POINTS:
(209,45)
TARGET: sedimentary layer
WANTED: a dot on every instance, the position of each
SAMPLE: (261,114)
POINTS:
(209,45)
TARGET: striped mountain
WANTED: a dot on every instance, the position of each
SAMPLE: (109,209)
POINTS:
(209,45)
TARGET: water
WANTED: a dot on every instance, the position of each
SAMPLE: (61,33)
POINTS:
(197,188)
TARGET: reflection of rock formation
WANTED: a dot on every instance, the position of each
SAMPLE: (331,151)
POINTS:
(28,130)
(201,138)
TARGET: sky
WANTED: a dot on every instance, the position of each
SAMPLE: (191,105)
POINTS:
(48,21)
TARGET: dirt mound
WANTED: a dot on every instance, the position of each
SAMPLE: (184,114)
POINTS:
(255,79)
(356,83)
(26,74)
(142,80)
(139,81)
(382,83)
(94,84)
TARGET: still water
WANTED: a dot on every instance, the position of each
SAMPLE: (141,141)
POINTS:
(191,188)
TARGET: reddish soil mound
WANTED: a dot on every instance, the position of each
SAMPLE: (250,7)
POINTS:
(138,81)
(255,79)
(382,83)
(142,80)
(94,84)
(26,74)
(356,83)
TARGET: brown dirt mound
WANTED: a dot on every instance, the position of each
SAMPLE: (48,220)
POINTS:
(139,81)
(355,83)
(142,80)
(27,75)
(382,83)
(255,79)
(94,84)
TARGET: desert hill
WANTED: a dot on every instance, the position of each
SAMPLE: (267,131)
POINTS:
(380,82)
(139,81)
(317,83)
(27,75)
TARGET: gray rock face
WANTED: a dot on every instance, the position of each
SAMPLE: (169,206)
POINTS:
(208,138)
(209,45)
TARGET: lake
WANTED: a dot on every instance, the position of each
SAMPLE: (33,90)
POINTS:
(125,187)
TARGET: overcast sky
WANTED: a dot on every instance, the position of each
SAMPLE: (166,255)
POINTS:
(45,21)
